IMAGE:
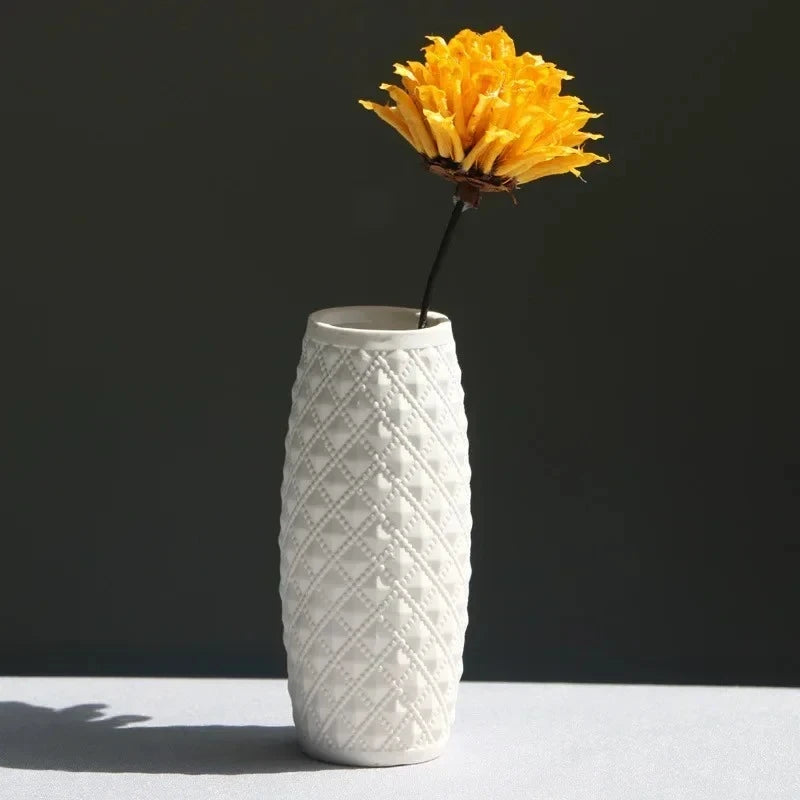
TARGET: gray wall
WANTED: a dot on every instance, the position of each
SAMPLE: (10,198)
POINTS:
(186,181)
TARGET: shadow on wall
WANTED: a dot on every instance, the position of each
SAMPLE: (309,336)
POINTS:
(80,739)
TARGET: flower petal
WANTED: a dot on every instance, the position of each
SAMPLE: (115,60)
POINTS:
(556,166)
(413,119)
(392,116)
(448,141)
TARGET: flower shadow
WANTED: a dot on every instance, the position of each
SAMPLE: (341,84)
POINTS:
(81,739)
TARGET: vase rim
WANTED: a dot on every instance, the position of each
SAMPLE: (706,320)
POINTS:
(378,328)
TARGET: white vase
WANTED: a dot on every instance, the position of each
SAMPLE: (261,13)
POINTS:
(375,536)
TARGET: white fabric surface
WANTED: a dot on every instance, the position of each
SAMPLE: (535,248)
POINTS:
(230,739)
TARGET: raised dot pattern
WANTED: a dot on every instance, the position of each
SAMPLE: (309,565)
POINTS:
(375,542)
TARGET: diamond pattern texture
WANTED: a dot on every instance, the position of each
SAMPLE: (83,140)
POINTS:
(375,546)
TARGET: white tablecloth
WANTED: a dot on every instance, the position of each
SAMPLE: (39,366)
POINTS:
(176,739)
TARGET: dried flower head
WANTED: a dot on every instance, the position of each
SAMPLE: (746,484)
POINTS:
(485,117)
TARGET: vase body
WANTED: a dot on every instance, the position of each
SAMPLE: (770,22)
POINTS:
(375,536)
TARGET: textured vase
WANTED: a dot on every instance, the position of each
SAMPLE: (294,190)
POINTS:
(375,536)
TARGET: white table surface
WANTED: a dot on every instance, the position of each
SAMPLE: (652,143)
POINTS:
(148,739)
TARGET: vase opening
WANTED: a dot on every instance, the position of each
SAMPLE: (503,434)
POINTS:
(375,318)
(378,327)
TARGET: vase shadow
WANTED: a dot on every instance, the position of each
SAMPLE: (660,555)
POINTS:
(81,739)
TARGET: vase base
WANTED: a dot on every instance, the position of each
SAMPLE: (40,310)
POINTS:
(367,758)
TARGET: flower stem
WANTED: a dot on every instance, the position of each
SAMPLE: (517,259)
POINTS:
(455,216)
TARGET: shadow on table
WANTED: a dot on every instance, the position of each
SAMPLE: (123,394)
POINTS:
(80,739)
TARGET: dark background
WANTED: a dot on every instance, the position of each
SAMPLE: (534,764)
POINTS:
(185,181)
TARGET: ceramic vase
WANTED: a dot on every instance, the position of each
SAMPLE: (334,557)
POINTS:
(375,536)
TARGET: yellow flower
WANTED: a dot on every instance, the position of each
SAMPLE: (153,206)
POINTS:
(483,116)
